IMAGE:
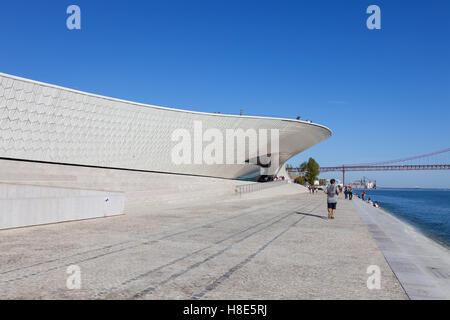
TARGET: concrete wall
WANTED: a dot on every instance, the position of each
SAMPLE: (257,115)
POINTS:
(27,205)
(142,189)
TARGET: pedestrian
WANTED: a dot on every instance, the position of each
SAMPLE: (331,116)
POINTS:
(346,193)
(350,193)
(332,192)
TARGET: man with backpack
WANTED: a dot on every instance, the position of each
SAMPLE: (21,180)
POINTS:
(332,192)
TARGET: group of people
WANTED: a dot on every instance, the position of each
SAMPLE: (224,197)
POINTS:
(312,189)
(332,192)
(268,178)
(299,118)
(369,201)
(348,192)
(375,204)
(363,195)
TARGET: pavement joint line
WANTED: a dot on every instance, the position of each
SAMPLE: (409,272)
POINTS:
(195,265)
(111,252)
(215,222)
(238,266)
(145,238)
(142,275)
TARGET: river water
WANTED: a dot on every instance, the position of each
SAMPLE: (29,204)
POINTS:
(428,210)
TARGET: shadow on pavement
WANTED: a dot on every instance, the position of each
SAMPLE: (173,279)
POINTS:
(312,215)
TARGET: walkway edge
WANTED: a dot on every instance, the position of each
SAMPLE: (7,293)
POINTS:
(410,255)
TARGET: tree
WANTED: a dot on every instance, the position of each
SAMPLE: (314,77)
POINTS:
(311,169)
(300,180)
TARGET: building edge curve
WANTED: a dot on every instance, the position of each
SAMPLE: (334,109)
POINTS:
(55,114)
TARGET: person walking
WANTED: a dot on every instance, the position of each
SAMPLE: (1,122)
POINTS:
(350,193)
(346,193)
(332,192)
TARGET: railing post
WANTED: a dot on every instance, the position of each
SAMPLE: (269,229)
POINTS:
(343,175)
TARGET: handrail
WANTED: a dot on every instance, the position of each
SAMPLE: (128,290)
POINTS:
(257,186)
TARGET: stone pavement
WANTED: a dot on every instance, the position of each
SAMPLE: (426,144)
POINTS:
(421,265)
(279,247)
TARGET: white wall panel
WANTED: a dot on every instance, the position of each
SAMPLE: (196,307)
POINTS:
(42,122)
(26,205)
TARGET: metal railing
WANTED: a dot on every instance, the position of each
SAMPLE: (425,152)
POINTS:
(257,186)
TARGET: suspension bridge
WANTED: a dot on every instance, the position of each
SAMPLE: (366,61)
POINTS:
(438,160)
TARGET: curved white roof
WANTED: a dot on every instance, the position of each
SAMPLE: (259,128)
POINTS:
(48,123)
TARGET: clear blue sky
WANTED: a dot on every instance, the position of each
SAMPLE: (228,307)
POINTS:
(384,93)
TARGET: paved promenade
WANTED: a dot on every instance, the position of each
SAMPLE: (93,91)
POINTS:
(422,265)
(279,247)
